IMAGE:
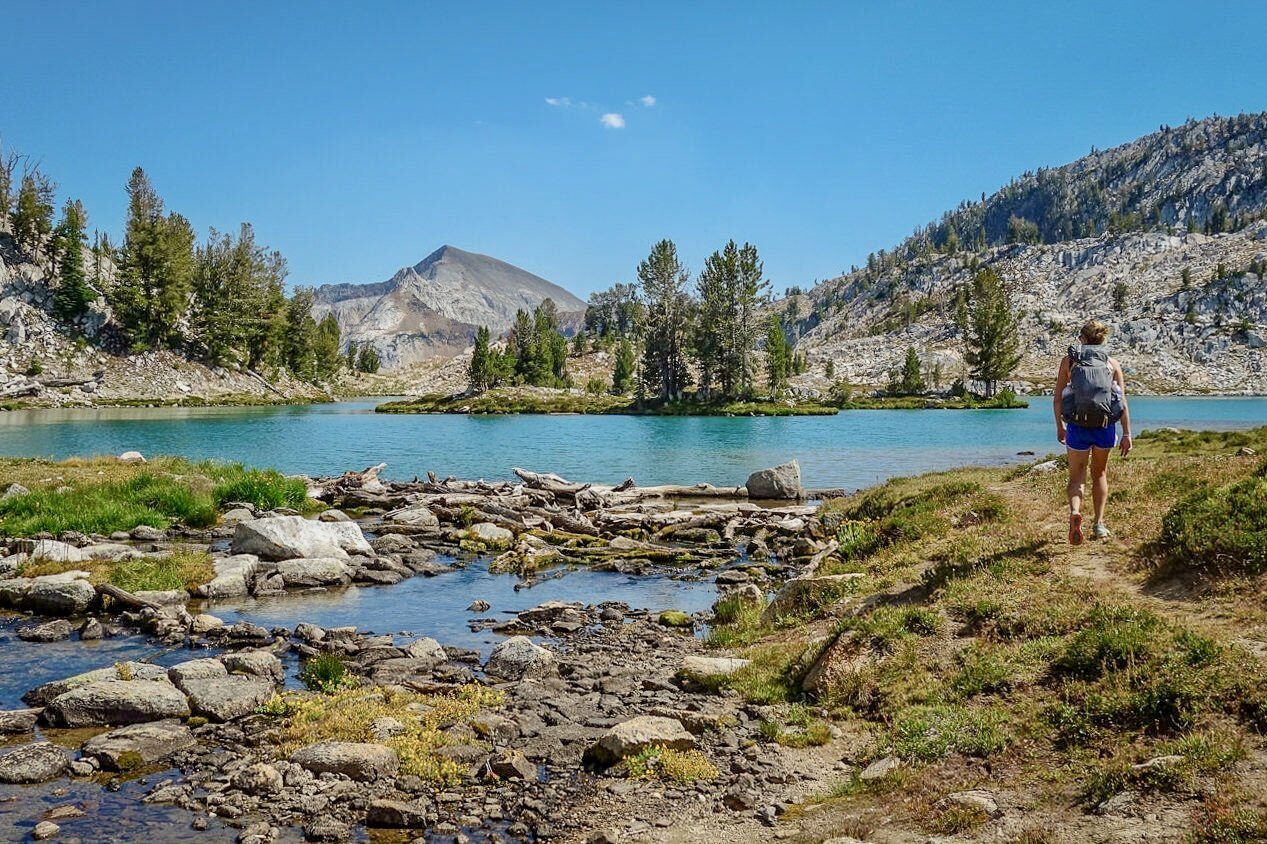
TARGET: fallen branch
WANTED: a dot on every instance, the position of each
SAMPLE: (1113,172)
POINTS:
(127,599)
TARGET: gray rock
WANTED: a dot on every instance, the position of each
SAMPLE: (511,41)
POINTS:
(13,490)
(309,632)
(880,769)
(91,630)
(110,702)
(518,658)
(288,537)
(45,830)
(51,549)
(513,765)
(355,760)
(258,663)
(314,571)
(417,516)
(204,623)
(41,695)
(333,515)
(131,457)
(427,648)
(803,594)
(33,763)
(233,576)
(227,698)
(137,745)
(712,666)
(18,720)
(781,483)
(49,631)
(978,799)
(109,551)
(490,534)
(54,595)
(196,669)
(260,778)
(146,533)
(629,737)
(397,814)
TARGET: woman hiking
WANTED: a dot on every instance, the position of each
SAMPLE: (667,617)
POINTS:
(1090,400)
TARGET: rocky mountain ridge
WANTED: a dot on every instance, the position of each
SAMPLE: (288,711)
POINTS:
(1175,268)
(433,308)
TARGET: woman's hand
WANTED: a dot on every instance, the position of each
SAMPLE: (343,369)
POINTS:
(1060,432)
(1125,445)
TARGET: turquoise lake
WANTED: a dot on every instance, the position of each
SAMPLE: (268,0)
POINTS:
(853,449)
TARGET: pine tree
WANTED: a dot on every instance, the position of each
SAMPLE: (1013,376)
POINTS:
(368,360)
(623,373)
(776,355)
(73,293)
(350,357)
(238,311)
(830,369)
(993,344)
(909,379)
(156,268)
(480,374)
(33,212)
(328,360)
(665,373)
(301,336)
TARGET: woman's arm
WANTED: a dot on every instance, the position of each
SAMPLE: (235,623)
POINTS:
(1057,406)
(1120,378)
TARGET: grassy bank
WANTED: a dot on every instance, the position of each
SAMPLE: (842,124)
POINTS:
(102,495)
(542,402)
(979,650)
(1000,402)
(181,569)
(228,400)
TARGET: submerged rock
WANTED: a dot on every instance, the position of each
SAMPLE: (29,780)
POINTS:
(314,571)
(49,631)
(137,745)
(18,721)
(41,695)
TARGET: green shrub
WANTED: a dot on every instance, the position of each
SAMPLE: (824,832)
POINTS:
(1223,528)
(1113,637)
(984,669)
(927,733)
(325,673)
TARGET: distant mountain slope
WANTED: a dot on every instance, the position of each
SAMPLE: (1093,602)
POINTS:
(434,307)
(1162,238)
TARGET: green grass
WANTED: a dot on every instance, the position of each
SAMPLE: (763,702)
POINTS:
(182,569)
(999,402)
(927,733)
(325,673)
(103,496)
(1221,529)
(799,728)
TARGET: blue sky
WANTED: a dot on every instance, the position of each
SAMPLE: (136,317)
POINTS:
(359,137)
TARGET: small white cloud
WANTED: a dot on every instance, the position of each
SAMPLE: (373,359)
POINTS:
(647,100)
(559,102)
(612,120)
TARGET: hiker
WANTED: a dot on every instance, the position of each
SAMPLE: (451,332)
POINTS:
(1090,400)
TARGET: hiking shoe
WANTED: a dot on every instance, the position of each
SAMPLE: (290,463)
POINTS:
(1075,528)
(1100,531)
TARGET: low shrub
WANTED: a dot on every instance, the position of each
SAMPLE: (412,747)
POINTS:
(1223,528)
(663,763)
(325,673)
(927,733)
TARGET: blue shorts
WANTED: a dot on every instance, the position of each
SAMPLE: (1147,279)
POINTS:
(1082,439)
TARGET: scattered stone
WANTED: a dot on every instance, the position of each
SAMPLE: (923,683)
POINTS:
(289,537)
(204,623)
(146,533)
(355,760)
(1117,803)
(809,593)
(629,737)
(427,648)
(259,663)
(45,830)
(518,658)
(978,799)
(675,618)
(260,778)
(49,631)
(479,606)
(111,702)
(782,483)
(41,695)
(712,666)
(880,769)
(90,630)
(59,595)
(50,549)
(397,814)
(135,746)
(513,765)
(417,516)
(196,669)
(18,721)
(1044,468)
(14,490)
(227,698)
(131,457)
(490,534)
(33,763)
(333,515)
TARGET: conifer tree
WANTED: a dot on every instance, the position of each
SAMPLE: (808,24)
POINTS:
(623,373)
(731,288)
(777,355)
(301,335)
(73,294)
(480,374)
(350,357)
(328,361)
(33,212)
(665,373)
(367,359)
(993,343)
(156,268)
(909,379)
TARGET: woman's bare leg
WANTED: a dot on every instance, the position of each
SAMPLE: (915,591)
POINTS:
(1077,476)
(1100,481)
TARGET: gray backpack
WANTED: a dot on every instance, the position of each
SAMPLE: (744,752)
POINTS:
(1091,401)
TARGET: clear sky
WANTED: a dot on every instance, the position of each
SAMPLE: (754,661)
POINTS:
(359,137)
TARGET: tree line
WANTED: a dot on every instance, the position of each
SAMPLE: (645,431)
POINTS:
(222,301)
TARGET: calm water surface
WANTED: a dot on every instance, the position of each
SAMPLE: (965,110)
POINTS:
(853,449)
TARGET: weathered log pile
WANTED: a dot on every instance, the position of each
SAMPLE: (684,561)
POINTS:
(543,519)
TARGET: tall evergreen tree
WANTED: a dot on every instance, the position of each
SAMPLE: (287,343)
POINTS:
(351,356)
(481,372)
(73,294)
(665,372)
(623,372)
(328,360)
(777,355)
(993,343)
(156,267)
(367,359)
(33,212)
(301,335)
(731,289)
(238,308)
(909,379)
